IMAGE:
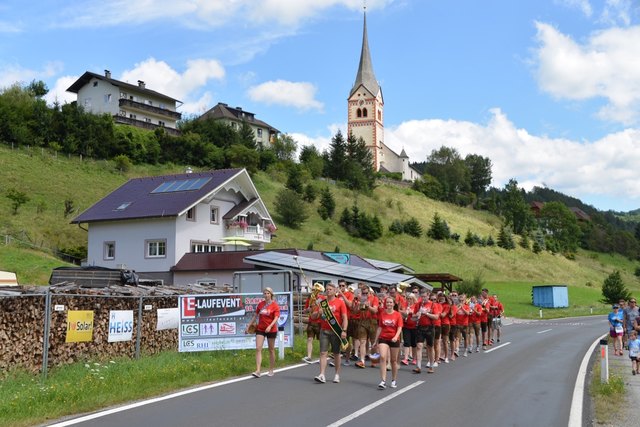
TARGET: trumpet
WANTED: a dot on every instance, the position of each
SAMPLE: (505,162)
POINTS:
(402,286)
(315,291)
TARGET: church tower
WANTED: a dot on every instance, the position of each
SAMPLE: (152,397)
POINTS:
(366,106)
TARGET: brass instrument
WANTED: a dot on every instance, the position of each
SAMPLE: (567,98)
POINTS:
(402,286)
(316,290)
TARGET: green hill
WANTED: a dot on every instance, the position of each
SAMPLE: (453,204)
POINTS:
(40,225)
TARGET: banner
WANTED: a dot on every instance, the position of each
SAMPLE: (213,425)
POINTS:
(120,325)
(168,318)
(79,326)
(218,321)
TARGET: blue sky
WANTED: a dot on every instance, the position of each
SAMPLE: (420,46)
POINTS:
(549,90)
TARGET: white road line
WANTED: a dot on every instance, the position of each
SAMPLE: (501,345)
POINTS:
(495,348)
(374,405)
(575,415)
(159,399)
(542,332)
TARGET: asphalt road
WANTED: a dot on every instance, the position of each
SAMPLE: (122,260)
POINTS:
(526,380)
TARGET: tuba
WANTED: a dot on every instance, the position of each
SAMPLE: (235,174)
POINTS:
(315,291)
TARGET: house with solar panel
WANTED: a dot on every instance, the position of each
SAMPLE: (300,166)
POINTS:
(148,224)
(129,104)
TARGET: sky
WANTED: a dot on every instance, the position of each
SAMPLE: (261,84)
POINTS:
(549,90)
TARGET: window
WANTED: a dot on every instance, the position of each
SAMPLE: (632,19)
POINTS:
(123,95)
(260,133)
(207,282)
(364,112)
(147,119)
(87,103)
(379,115)
(156,248)
(359,113)
(95,84)
(161,123)
(132,116)
(214,215)
(123,113)
(107,98)
(191,214)
(161,105)
(109,250)
(205,247)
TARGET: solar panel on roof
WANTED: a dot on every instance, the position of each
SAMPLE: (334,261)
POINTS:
(181,185)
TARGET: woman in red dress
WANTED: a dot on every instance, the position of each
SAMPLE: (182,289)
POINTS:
(388,341)
(267,313)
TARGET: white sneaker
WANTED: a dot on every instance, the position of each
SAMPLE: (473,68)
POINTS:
(336,379)
(389,366)
(393,384)
(320,379)
(332,363)
(435,365)
(465,354)
(446,360)
(478,349)
(346,363)
(382,385)
(428,365)
(307,359)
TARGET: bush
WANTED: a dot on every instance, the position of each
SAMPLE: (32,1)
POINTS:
(439,229)
(396,227)
(310,193)
(122,163)
(327,206)
(473,286)
(412,227)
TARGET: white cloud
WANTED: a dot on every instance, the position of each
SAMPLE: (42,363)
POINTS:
(603,168)
(617,12)
(160,77)
(583,6)
(12,73)
(58,93)
(604,67)
(300,95)
(205,14)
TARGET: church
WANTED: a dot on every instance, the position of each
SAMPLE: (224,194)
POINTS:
(366,117)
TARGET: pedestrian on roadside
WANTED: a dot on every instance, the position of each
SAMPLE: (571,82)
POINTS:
(631,312)
(616,330)
(634,351)
(388,341)
(267,312)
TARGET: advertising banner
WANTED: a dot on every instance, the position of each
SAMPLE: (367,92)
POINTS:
(219,321)
(79,326)
(168,318)
(120,325)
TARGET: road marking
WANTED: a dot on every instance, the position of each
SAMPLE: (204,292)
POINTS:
(575,415)
(542,332)
(160,399)
(374,405)
(495,348)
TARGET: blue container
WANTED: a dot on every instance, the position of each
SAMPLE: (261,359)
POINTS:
(550,296)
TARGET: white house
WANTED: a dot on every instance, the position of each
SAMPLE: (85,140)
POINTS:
(148,224)
(235,117)
(128,104)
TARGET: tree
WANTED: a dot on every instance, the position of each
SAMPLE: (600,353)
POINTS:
(18,198)
(524,241)
(239,156)
(479,173)
(312,159)
(446,165)
(439,229)
(337,158)
(396,227)
(284,147)
(412,227)
(310,193)
(247,136)
(327,206)
(359,173)
(613,289)
(515,209)
(294,179)
(429,186)
(505,238)
(561,226)
(291,209)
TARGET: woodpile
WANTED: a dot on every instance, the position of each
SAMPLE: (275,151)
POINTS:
(22,322)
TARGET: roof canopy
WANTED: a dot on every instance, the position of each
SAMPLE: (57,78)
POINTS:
(348,272)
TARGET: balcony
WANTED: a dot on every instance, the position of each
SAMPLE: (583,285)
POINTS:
(144,125)
(252,234)
(128,103)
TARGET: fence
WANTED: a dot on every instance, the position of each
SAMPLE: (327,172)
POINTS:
(33,329)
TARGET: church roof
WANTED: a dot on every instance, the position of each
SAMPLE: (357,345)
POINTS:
(365,77)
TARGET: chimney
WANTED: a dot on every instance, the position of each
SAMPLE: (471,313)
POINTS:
(140,84)
(107,74)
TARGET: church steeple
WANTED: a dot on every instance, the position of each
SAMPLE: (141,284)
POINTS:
(365,76)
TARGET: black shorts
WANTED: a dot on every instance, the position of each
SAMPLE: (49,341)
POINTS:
(483,326)
(410,337)
(390,343)
(269,335)
(426,333)
(437,331)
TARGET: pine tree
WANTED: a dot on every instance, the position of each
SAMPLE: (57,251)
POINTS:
(439,229)
(613,289)
(524,241)
(327,206)
(505,238)
(412,227)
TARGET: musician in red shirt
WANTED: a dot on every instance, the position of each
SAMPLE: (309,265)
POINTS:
(496,310)
(267,313)
(388,341)
(409,330)
(427,312)
(327,337)
(445,319)
(462,320)
(474,320)
(365,311)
